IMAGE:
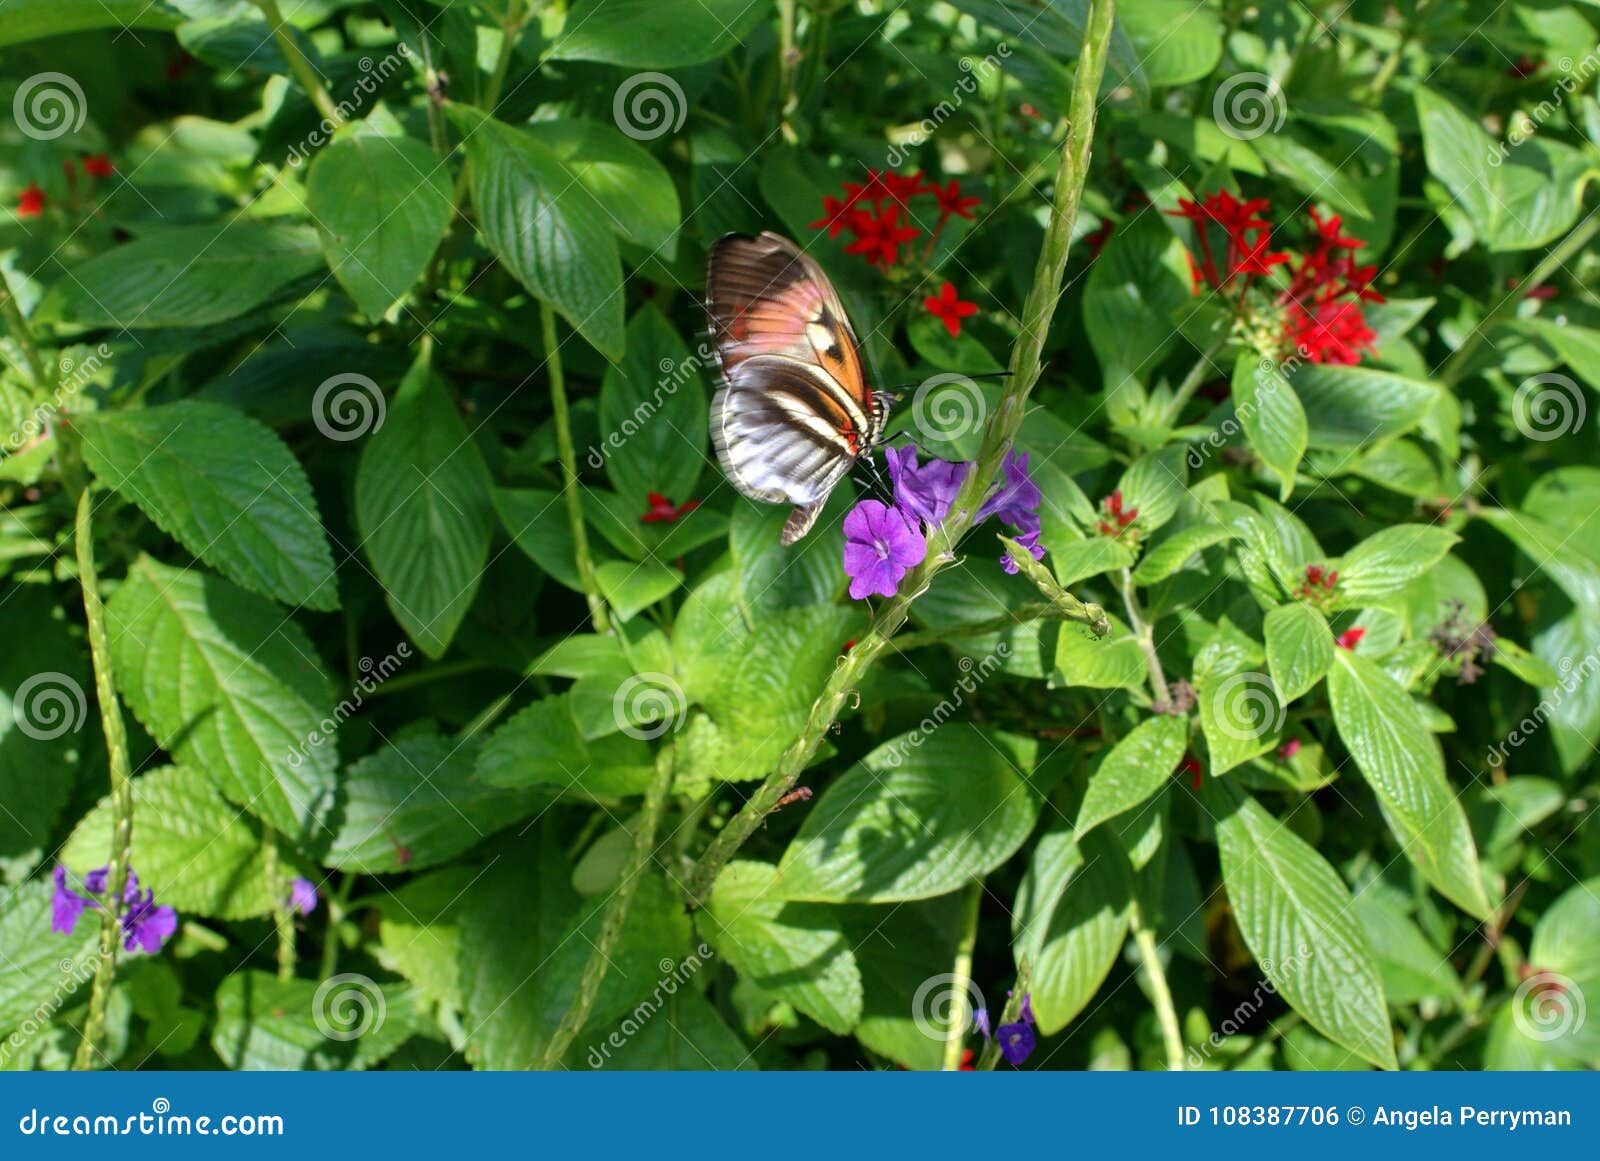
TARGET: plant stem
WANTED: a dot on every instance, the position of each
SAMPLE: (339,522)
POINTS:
(282,913)
(337,905)
(1145,634)
(1010,1014)
(961,977)
(21,332)
(594,971)
(116,735)
(1160,994)
(301,67)
(442,672)
(1037,313)
(569,470)
(1191,382)
(1391,63)
(1576,240)
(1041,611)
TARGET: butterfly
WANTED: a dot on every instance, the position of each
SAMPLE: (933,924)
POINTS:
(794,413)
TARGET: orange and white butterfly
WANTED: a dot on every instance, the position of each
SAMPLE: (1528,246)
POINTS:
(794,412)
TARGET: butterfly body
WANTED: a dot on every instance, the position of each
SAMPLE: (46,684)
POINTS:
(794,412)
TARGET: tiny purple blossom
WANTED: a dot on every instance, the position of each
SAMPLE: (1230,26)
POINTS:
(1016,1042)
(1017,500)
(980,1020)
(1028,540)
(880,547)
(924,493)
(303,895)
(1027,1008)
(98,880)
(147,926)
(66,905)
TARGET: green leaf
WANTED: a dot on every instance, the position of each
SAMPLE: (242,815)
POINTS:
(1155,484)
(1577,347)
(646,34)
(423,507)
(44,716)
(43,970)
(1348,407)
(537,522)
(1133,770)
(1320,177)
(1241,712)
(1385,734)
(1299,649)
(382,205)
(418,802)
(1412,968)
(1094,556)
(190,276)
(545,227)
(911,821)
(1175,551)
(653,407)
(1297,918)
(1273,420)
(543,746)
(1115,663)
(35,19)
(1383,564)
(200,853)
(901,1014)
(225,486)
(250,711)
(630,587)
(796,951)
(271,1024)
(1136,285)
(1178,41)
(630,187)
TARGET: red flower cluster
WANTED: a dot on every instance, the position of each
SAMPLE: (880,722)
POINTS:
(1319,583)
(1350,638)
(1322,318)
(870,213)
(31,200)
(664,511)
(1116,520)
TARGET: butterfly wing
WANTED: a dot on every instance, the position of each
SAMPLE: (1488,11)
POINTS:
(794,410)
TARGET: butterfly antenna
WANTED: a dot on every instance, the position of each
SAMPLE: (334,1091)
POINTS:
(896,392)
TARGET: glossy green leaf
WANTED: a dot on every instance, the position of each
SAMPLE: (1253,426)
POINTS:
(1272,417)
(1299,648)
(1133,770)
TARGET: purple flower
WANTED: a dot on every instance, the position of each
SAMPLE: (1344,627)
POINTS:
(980,1019)
(1027,1007)
(880,547)
(66,905)
(1016,1042)
(303,895)
(924,493)
(1030,541)
(147,926)
(97,880)
(1017,500)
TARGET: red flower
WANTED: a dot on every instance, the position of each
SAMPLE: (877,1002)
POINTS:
(663,511)
(1191,766)
(1333,332)
(1350,638)
(951,202)
(98,165)
(1097,239)
(836,216)
(1237,220)
(879,238)
(1328,232)
(949,309)
(30,202)
(1112,507)
(1320,581)
(1289,749)
(903,189)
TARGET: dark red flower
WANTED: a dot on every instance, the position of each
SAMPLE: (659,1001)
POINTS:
(664,511)
(836,216)
(949,309)
(951,203)
(1328,232)
(879,238)
(1113,511)
(1350,638)
(903,189)
(1191,766)
(1237,220)
(1097,239)
(30,202)
(1332,332)
(98,165)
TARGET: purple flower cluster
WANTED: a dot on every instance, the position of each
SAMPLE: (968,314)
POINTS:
(303,895)
(145,925)
(883,542)
(1017,1041)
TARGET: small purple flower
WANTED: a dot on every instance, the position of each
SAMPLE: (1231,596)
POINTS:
(303,895)
(66,905)
(1027,1007)
(880,547)
(1016,1042)
(924,493)
(1030,541)
(147,926)
(95,881)
(980,1020)
(1017,500)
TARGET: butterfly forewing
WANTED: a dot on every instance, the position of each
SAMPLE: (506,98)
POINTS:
(794,410)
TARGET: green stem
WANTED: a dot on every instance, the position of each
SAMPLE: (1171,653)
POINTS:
(616,914)
(1391,63)
(1021,615)
(1575,241)
(338,906)
(298,64)
(1160,994)
(1010,1014)
(116,735)
(569,470)
(1191,383)
(961,977)
(21,332)
(1144,632)
(282,913)
(1037,313)
(426,677)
